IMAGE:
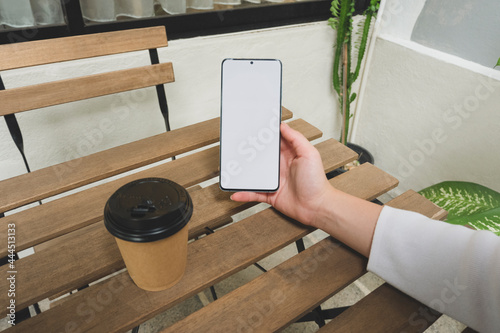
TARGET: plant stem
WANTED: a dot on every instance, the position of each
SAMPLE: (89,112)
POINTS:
(345,95)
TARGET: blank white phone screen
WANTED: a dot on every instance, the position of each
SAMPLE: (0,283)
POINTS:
(250,125)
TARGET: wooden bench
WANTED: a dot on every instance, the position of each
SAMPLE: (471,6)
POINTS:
(294,288)
(73,249)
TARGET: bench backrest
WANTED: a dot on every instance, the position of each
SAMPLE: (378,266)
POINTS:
(72,48)
(36,53)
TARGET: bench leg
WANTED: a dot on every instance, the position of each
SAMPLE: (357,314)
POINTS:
(318,315)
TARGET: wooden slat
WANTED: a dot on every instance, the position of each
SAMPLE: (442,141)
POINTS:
(413,201)
(279,297)
(82,233)
(332,150)
(210,260)
(46,182)
(385,310)
(401,312)
(299,285)
(213,200)
(367,181)
(17,55)
(76,89)
(62,239)
(213,205)
(95,240)
(56,242)
(75,211)
(78,210)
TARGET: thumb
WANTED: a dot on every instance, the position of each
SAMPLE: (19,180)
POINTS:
(249,196)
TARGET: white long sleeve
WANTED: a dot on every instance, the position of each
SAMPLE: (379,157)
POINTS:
(452,269)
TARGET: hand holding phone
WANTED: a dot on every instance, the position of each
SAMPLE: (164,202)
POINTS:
(250,125)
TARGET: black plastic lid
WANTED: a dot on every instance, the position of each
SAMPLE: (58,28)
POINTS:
(147,210)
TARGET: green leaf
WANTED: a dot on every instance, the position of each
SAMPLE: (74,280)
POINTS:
(487,220)
(467,203)
(462,198)
(353,97)
(333,22)
(498,62)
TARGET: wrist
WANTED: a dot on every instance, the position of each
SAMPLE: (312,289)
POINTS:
(325,212)
(349,219)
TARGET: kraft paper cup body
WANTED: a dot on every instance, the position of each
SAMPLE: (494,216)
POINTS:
(148,218)
(156,265)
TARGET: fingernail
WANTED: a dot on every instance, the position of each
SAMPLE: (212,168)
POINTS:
(231,197)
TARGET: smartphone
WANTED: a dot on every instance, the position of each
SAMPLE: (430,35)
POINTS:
(250,125)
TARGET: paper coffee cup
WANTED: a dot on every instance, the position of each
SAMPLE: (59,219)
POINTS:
(148,218)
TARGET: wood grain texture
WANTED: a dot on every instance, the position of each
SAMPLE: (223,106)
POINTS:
(77,89)
(213,207)
(55,242)
(212,201)
(292,289)
(332,150)
(367,181)
(66,275)
(385,310)
(210,260)
(279,297)
(78,210)
(46,182)
(17,55)
(417,203)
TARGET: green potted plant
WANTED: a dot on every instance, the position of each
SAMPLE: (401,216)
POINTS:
(468,204)
(345,72)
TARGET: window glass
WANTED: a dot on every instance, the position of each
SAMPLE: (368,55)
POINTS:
(465,28)
(95,11)
(30,13)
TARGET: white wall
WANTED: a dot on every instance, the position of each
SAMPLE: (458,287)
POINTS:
(406,116)
(61,133)
(428,116)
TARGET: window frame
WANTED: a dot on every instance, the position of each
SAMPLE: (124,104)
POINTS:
(185,25)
